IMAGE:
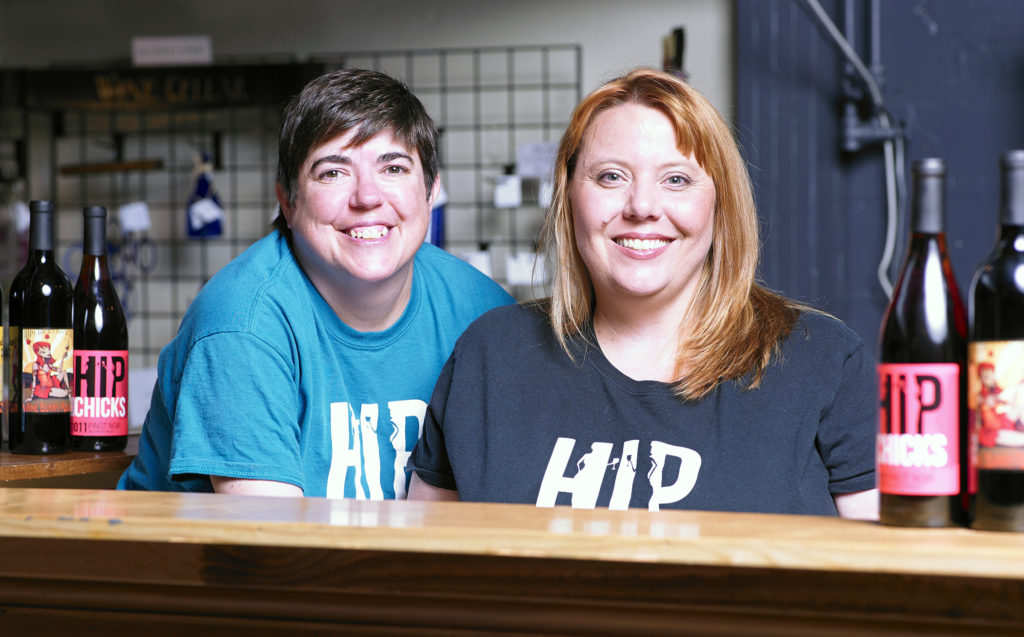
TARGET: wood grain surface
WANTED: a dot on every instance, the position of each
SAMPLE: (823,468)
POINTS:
(118,561)
(16,466)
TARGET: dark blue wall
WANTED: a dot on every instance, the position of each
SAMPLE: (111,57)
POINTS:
(953,74)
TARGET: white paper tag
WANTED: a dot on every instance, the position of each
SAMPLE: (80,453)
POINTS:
(479,259)
(525,268)
(508,192)
(134,217)
(536,159)
(22,217)
(203,212)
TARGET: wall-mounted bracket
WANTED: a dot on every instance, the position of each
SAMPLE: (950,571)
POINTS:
(859,133)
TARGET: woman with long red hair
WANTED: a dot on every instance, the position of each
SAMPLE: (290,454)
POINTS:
(659,373)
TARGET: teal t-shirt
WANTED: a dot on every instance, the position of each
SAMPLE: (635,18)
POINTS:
(264,381)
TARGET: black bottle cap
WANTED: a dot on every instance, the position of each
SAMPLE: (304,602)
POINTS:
(95,211)
(40,205)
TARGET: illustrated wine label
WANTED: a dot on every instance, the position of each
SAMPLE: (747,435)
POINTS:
(995,401)
(918,446)
(46,357)
(101,393)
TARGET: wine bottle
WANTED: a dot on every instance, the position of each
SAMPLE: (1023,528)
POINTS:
(996,362)
(4,357)
(41,375)
(10,347)
(99,415)
(922,450)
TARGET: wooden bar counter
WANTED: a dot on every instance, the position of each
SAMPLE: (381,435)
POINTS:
(74,561)
(75,469)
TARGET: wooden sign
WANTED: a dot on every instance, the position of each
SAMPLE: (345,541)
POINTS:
(165,88)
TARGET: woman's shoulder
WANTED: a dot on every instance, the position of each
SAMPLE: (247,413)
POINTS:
(822,334)
(816,323)
(261,282)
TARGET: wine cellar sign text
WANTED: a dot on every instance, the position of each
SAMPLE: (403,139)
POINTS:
(143,92)
(164,88)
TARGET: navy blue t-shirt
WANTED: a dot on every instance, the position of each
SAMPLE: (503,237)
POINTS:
(514,419)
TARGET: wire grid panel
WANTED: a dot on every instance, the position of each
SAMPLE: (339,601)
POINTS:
(157,288)
(486,101)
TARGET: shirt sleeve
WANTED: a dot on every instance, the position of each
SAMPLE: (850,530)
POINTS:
(429,458)
(237,412)
(848,427)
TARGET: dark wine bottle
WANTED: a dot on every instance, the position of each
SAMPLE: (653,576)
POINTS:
(42,357)
(922,442)
(996,362)
(14,304)
(99,415)
(3,355)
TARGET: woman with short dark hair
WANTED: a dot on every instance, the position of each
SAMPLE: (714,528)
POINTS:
(302,368)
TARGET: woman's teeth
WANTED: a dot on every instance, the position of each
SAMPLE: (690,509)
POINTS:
(642,244)
(368,233)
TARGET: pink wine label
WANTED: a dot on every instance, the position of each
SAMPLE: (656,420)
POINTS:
(918,446)
(101,393)
(995,402)
(46,357)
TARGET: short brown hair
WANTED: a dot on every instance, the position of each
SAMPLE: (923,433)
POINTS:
(365,101)
(733,325)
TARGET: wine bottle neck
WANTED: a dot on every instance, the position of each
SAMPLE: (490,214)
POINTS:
(928,215)
(1011,200)
(95,242)
(40,233)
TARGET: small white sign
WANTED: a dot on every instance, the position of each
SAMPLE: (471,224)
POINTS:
(536,160)
(526,268)
(479,259)
(141,382)
(204,212)
(172,50)
(134,217)
(22,217)
(508,192)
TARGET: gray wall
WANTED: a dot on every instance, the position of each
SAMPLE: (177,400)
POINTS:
(615,36)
